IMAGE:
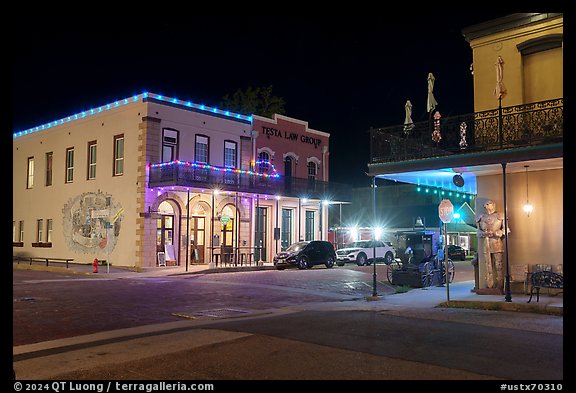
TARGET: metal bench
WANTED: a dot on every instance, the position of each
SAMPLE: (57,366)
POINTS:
(545,279)
(42,259)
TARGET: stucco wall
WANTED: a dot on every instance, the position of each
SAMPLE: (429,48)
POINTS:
(537,239)
(54,201)
(486,50)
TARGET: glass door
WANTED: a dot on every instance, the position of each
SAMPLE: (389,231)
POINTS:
(197,239)
(260,234)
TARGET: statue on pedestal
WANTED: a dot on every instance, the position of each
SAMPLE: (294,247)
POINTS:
(491,230)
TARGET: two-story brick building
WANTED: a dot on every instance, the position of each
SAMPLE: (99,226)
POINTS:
(151,179)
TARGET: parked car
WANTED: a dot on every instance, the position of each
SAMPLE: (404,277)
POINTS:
(304,255)
(456,252)
(362,252)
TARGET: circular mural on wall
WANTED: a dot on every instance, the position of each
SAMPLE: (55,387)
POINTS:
(91,222)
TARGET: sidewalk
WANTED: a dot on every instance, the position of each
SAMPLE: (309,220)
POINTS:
(122,272)
(461,296)
(459,293)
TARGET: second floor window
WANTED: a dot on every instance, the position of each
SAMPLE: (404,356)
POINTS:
(70,165)
(118,155)
(92,160)
(263,162)
(201,151)
(288,165)
(169,145)
(229,154)
(30,180)
(312,170)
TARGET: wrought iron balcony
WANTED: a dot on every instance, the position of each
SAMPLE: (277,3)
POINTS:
(539,123)
(178,173)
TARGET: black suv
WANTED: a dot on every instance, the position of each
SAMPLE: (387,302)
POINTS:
(306,254)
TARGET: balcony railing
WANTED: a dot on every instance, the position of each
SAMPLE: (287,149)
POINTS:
(538,123)
(177,173)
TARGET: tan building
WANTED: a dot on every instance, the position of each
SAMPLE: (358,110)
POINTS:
(531,48)
(148,180)
(510,151)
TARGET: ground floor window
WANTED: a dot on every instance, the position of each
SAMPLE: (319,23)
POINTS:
(260,233)
(309,225)
(164,231)
(286,236)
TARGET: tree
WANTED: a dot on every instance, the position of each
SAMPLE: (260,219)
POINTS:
(256,101)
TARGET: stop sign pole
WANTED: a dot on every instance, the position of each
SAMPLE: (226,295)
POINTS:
(445,212)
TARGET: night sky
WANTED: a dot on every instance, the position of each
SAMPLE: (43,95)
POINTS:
(342,75)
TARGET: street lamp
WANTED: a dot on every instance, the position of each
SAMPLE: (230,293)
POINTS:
(277,228)
(508,294)
(374,292)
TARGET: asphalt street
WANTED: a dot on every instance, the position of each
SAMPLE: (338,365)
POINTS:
(269,325)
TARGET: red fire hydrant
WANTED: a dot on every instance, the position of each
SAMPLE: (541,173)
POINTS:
(95,264)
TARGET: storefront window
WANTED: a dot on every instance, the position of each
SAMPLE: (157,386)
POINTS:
(286,238)
(309,231)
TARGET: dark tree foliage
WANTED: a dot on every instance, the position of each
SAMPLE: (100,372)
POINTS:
(255,101)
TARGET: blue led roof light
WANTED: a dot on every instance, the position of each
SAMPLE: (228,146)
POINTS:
(136,98)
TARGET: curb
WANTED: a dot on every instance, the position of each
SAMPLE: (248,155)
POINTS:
(503,306)
(42,268)
(227,270)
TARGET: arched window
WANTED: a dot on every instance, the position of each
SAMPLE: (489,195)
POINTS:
(263,162)
(312,170)
(288,166)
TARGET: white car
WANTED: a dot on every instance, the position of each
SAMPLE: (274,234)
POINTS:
(362,252)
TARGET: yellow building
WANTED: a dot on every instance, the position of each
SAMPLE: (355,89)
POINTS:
(509,151)
(531,47)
